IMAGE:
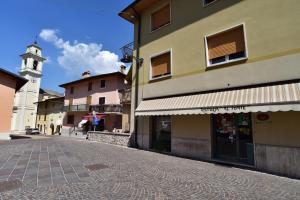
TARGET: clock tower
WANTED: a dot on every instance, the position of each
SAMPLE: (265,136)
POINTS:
(25,106)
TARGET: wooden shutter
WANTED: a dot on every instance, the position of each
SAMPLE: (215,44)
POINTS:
(226,43)
(161,65)
(160,17)
(89,100)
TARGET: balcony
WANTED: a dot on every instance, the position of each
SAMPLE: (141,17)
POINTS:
(76,108)
(127,52)
(107,108)
(125,96)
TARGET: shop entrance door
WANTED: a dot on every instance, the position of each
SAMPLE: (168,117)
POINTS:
(233,139)
(161,134)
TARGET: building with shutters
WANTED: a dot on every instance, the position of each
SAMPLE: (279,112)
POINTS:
(102,95)
(217,80)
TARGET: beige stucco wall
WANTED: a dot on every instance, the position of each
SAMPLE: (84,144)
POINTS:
(7,92)
(268,36)
(191,126)
(282,129)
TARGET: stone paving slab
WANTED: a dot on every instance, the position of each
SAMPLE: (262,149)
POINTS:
(65,168)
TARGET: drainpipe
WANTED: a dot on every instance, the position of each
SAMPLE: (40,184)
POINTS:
(137,77)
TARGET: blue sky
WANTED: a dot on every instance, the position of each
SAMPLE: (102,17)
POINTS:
(75,35)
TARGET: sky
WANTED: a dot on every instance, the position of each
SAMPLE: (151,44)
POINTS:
(75,36)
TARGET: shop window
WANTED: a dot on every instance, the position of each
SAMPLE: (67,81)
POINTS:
(70,119)
(161,65)
(206,2)
(72,90)
(101,100)
(161,17)
(103,84)
(227,46)
(90,86)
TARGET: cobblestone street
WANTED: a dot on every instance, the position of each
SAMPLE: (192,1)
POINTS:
(62,168)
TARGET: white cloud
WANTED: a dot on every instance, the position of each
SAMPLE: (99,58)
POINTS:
(48,60)
(78,57)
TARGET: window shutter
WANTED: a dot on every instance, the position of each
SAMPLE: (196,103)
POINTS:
(226,43)
(161,65)
(161,17)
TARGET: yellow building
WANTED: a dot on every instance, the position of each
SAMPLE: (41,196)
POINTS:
(50,112)
(218,80)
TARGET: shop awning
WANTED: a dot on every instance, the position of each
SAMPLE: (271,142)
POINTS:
(284,97)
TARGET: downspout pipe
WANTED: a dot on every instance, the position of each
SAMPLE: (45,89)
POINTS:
(138,63)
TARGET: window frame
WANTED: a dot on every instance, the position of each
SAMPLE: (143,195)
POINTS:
(227,61)
(90,86)
(171,63)
(157,9)
(72,90)
(105,83)
(102,98)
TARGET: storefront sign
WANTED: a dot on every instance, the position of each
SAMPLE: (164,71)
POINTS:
(262,117)
(224,109)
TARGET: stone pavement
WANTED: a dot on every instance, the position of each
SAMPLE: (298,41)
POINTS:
(65,168)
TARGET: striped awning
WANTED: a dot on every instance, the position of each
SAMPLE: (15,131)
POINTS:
(284,97)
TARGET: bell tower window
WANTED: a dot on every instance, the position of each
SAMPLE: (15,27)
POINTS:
(35,64)
(25,62)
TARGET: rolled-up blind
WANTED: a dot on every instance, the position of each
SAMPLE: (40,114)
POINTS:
(160,17)
(161,65)
(226,43)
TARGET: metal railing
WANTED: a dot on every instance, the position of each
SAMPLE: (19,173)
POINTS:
(105,108)
(125,95)
(76,108)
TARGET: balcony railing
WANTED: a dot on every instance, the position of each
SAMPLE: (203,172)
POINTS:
(125,95)
(106,108)
(76,108)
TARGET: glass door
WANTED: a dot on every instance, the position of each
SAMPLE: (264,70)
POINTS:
(233,137)
(161,134)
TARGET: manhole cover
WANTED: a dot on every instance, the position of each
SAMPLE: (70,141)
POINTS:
(10,185)
(95,167)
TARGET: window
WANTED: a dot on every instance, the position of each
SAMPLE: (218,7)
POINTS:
(25,62)
(70,119)
(161,65)
(35,64)
(227,46)
(89,100)
(161,17)
(39,117)
(101,100)
(103,84)
(45,117)
(206,2)
(72,90)
(90,86)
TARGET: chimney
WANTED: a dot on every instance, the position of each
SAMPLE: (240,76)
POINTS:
(86,74)
(122,69)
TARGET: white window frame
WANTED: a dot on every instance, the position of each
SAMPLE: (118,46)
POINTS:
(171,63)
(160,7)
(208,64)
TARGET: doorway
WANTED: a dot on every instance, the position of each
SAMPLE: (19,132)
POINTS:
(161,133)
(233,140)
